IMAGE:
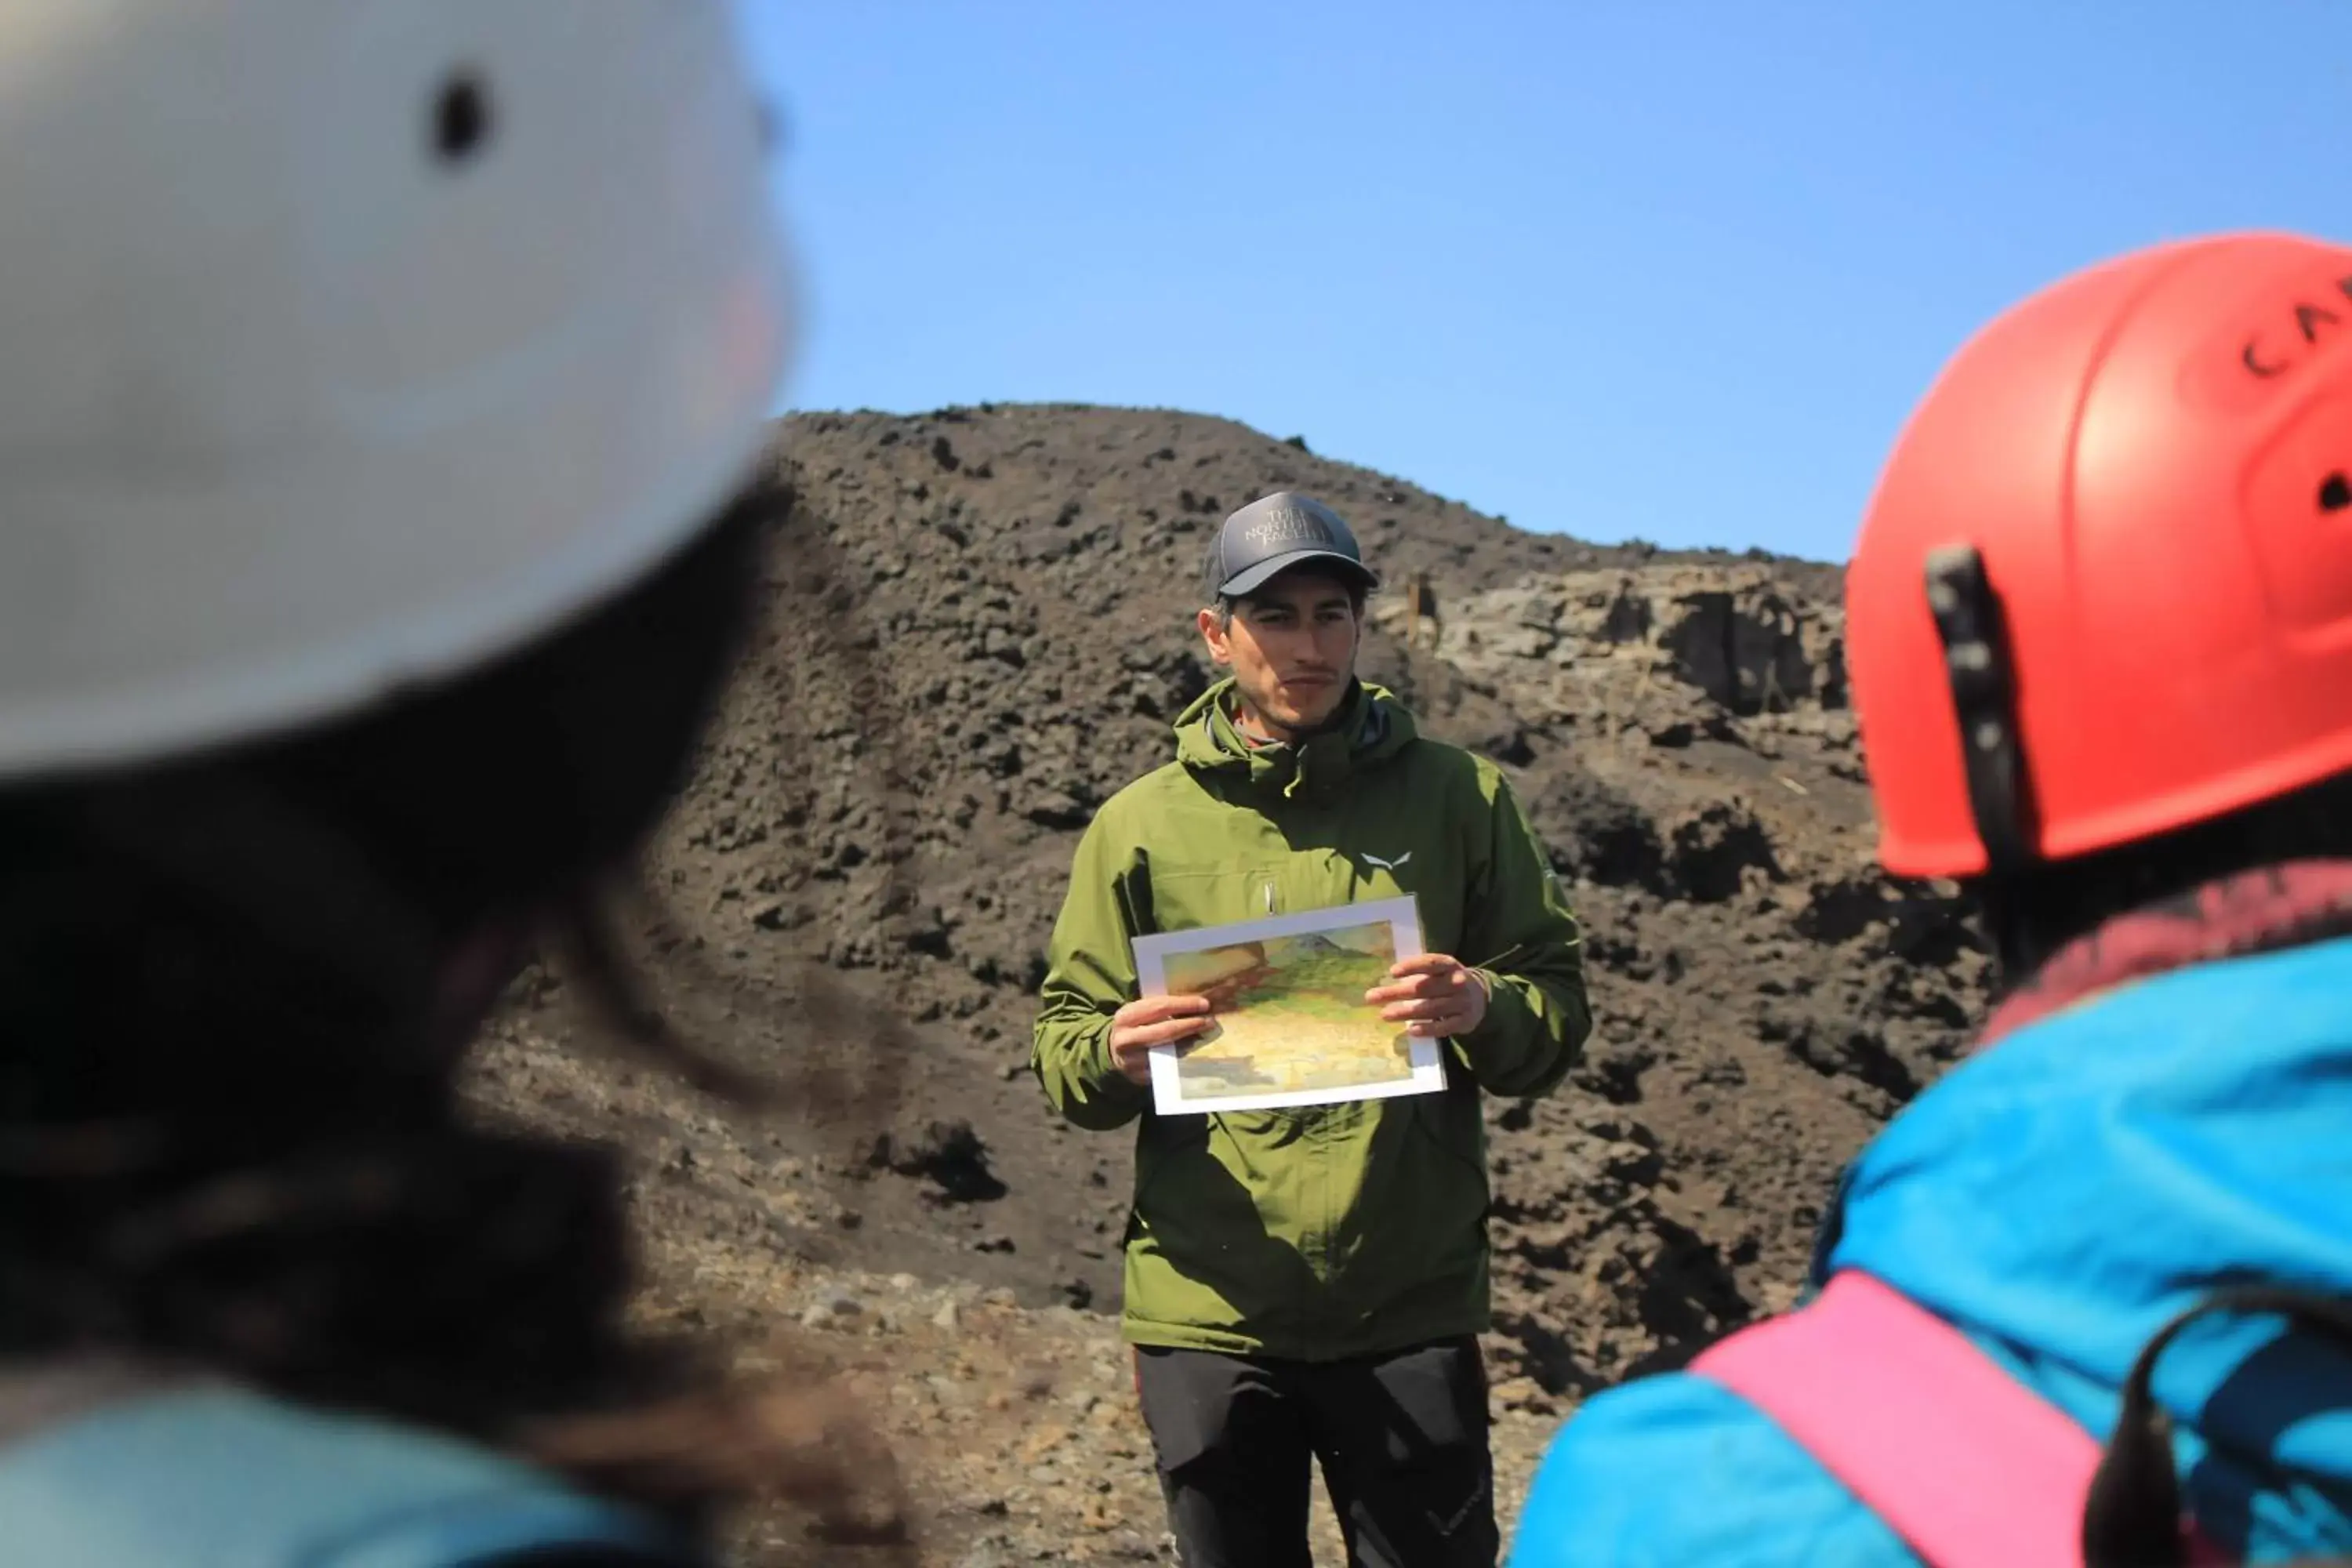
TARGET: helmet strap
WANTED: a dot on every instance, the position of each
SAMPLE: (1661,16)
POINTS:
(1984,698)
(1977,665)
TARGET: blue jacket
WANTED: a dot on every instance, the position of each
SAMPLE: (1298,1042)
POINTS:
(225,1478)
(2058,1196)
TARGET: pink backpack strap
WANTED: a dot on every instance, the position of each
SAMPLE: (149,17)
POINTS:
(1969,1465)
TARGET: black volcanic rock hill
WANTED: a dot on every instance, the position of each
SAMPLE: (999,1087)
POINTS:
(979,626)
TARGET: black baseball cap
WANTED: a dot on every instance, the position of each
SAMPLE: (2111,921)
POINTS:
(1273,533)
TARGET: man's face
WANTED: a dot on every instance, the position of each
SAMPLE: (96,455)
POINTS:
(1291,646)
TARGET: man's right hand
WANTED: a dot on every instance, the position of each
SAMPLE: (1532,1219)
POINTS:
(1150,1021)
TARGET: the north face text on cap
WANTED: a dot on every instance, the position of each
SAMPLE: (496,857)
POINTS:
(1286,525)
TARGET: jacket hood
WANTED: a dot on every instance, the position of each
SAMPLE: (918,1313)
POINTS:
(1371,725)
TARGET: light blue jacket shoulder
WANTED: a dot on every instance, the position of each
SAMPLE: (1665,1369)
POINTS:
(225,1477)
(2058,1196)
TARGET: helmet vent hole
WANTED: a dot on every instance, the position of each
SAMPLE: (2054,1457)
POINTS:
(461,116)
(2335,492)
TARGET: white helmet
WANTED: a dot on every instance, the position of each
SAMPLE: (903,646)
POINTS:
(346,343)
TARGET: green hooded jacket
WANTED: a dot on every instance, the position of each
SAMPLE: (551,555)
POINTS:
(1325,1231)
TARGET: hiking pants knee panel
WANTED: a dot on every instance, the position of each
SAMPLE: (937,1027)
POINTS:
(1229,1437)
(1404,1443)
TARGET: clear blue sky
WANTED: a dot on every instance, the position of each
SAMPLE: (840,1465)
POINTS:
(1640,268)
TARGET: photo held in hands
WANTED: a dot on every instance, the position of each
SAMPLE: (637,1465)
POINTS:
(1301,1009)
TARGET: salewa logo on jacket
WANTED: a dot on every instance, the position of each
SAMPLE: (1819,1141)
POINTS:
(1371,859)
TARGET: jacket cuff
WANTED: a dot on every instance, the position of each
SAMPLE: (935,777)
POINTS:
(1507,1010)
(1104,1078)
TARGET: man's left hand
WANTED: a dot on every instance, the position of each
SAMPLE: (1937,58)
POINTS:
(1434,995)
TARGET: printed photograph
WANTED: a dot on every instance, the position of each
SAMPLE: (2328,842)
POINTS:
(1292,1027)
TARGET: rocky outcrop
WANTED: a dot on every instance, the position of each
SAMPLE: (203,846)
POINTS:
(1636,646)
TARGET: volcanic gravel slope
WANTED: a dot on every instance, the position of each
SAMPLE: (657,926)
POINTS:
(979,627)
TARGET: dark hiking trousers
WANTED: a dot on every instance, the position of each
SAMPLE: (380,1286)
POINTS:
(1402,1437)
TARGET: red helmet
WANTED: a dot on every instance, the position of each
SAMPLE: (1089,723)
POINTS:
(2112,552)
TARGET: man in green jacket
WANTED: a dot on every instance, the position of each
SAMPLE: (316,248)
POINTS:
(1309,1283)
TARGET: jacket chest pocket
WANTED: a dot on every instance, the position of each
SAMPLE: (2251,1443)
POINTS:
(1308,880)
(1191,898)
(1284,885)
(1324,878)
